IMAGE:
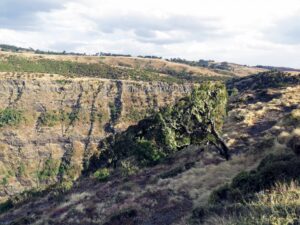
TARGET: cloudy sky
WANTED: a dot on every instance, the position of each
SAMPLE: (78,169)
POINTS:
(244,31)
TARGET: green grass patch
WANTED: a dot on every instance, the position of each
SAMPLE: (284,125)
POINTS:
(10,117)
(49,171)
(52,118)
(102,174)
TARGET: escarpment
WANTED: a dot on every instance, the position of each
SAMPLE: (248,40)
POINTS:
(50,125)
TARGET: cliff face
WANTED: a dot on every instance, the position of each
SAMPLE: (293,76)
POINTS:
(61,121)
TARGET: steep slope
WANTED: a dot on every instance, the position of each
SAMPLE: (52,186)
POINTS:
(262,119)
(54,109)
(62,120)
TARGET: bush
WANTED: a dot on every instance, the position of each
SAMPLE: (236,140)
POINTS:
(280,205)
(49,119)
(272,169)
(4,181)
(52,118)
(270,194)
(147,153)
(49,171)
(10,117)
(128,168)
(102,174)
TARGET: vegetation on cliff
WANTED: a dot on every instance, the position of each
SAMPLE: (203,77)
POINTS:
(194,120)
(270,194)
(10,117)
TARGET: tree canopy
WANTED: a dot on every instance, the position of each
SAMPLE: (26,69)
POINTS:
(196,119)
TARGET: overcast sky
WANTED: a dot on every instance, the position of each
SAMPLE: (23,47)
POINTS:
(244,31)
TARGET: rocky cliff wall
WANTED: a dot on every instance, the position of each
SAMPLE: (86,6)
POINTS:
(59,122)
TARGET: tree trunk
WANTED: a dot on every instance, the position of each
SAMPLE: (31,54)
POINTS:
(224,147)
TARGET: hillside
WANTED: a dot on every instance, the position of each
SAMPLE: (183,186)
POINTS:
(115,67)
(115,140)
(55,110)
(263,119)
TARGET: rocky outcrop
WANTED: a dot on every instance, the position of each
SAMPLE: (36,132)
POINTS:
(63,121)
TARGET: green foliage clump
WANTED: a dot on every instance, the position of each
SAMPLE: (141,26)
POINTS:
(196,119)
(128,168)
(4,181)
(272,169)
(102,174)
(49,171)
(10,117)
(147,153)
(52,118)
(49,119)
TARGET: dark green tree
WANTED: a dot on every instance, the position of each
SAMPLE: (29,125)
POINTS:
(196,119)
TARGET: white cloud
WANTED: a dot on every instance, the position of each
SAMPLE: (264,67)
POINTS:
(243,31)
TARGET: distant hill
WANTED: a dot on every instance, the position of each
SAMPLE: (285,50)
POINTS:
(205,66)
(12,48)
(282,69)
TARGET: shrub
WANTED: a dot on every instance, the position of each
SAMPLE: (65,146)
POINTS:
(128,168)
(270,194)
(65,186)
(147,153)
(4,181)
(272,169)
(10,117)
(49,171)
(280,205)
(49,119)
(102,174)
